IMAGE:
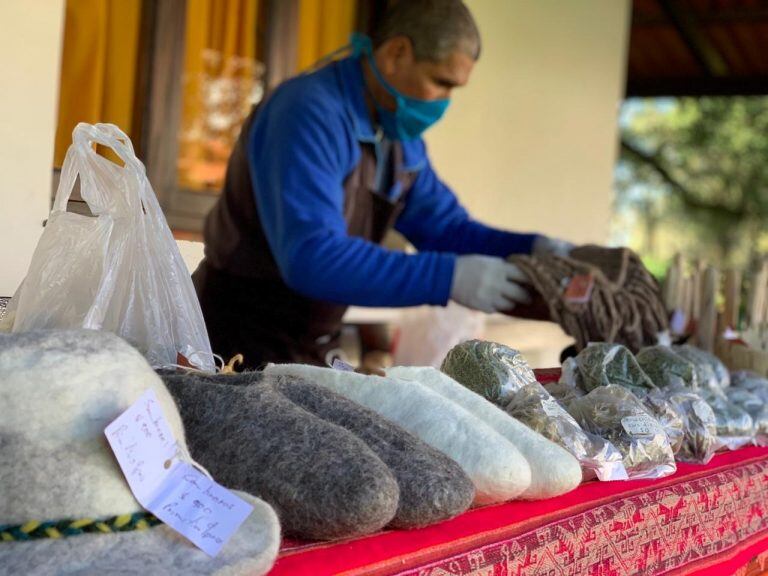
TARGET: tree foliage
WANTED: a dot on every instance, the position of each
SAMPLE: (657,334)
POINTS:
(701,165)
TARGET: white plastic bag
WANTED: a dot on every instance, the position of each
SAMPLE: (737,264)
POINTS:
(119,270)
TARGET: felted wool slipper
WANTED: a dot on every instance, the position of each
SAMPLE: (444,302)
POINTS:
(496,467)
(58,392)
(554,471)
(323,481)
(432,486)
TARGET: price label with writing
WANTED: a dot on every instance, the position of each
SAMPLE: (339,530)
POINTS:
(639,425)
(168,485)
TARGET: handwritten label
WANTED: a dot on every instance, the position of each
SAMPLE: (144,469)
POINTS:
(339,364)
(166,484)
(639,425)
(579,289)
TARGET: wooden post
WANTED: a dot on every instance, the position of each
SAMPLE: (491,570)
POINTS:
(707,326)
(758,297)
(732,298)
(698,274)
(741,358)
(672,282)
(759,362)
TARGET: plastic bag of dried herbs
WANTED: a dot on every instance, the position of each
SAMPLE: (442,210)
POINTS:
(538,410)
(565,391)
(755,407)
(668,416)
(600,364)
(665,368)
(672,422)
(746,380)
(745,399)
(492,370)
(617,415)
(699,424)
(735,427)
(710,370)
(760,421)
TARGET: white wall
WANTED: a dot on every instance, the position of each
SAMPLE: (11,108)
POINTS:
(30,46)
(530,143)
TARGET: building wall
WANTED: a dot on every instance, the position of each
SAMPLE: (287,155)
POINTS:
(30,45)
(530,143)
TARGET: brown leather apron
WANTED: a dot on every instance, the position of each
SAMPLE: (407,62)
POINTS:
(247,306)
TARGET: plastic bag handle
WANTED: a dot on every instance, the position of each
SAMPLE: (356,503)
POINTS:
(83,136)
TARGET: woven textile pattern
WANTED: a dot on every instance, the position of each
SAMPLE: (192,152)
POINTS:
(649,533)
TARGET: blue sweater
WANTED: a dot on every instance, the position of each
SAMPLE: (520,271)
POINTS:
(303,144)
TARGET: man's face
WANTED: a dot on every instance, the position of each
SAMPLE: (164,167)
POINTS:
(420,79)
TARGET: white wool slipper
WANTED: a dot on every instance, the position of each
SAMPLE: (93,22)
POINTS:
(554,471)
(496,467)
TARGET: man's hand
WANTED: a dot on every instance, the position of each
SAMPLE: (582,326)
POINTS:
(545,245)
(488,284)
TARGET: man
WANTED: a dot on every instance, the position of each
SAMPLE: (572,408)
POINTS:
(322,170)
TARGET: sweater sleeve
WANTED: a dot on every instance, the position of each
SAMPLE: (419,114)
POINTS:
(299,156)
(435,220)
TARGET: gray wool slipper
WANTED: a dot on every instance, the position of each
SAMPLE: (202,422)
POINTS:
(432,486)
(324,482)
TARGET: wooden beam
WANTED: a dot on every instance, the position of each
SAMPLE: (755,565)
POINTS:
(727,15)
(706,332)
(702,86)
(711,61)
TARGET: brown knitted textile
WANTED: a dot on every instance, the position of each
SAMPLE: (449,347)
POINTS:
(625,305)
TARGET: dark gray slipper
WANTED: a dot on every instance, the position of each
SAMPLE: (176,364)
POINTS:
(432,486)
(324,482)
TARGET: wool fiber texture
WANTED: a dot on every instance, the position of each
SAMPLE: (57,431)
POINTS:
(251,551)
(432,486)
(322,480)
(554,470)
(58,391)
(496,467)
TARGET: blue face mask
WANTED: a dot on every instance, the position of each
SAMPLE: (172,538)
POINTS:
(412,115)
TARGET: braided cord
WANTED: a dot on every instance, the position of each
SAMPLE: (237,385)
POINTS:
(34,530)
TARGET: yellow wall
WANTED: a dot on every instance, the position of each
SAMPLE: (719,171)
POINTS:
(30,44)
(530,143)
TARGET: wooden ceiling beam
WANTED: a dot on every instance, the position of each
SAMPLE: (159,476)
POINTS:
(706,54)
(748,86)
(719,16)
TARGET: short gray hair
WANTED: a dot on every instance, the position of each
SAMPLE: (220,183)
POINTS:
(436,28)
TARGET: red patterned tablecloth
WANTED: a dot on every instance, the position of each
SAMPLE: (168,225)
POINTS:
(710,520)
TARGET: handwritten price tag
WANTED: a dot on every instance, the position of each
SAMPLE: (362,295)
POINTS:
(168,486)
(640,425)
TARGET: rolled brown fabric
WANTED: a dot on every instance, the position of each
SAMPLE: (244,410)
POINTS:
(623,306)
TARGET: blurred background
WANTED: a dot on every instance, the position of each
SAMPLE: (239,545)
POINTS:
(640,123)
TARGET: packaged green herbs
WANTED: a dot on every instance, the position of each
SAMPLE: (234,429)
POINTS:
(710,370)
(735,427)
(699,423)
(492,370)
(618,416)
(537,409)
(601,364)
(665,368)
